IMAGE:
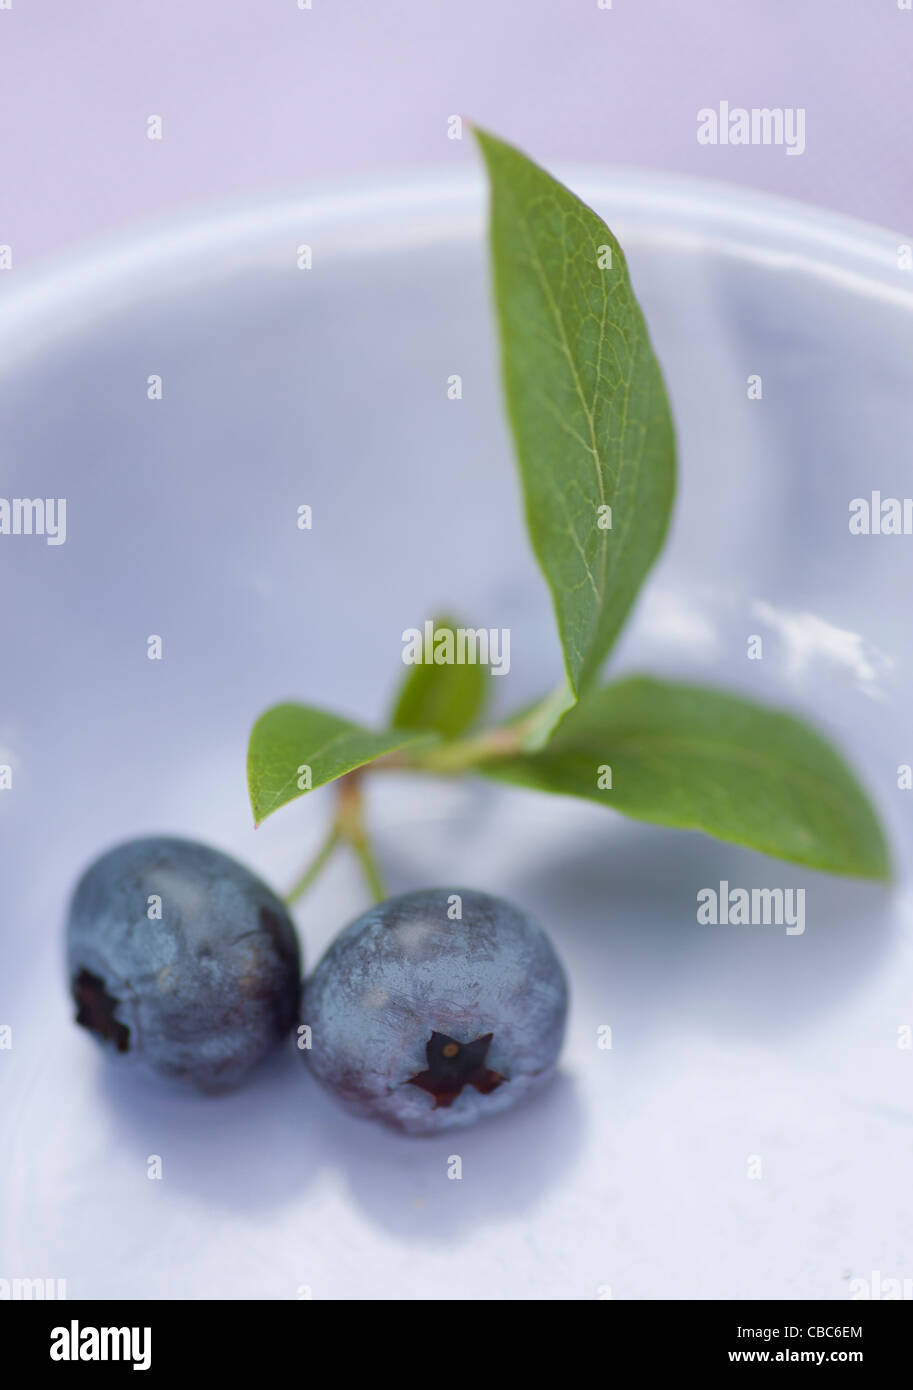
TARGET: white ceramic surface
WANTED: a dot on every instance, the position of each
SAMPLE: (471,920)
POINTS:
(328,387)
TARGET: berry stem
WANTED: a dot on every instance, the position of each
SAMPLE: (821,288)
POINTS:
(525,733)
(303,883)
(351,827)
(370,870)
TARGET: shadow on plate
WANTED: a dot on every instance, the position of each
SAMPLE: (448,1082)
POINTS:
(250,1150)
(260,1148)
(629,898)
(508,1165)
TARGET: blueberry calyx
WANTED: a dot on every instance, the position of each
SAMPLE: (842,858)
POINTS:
(453,1065)
(96,1008)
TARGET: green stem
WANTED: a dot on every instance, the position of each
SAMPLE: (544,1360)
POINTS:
(524,735)
(467,753)
(366,859)
(302,884)
(351,827)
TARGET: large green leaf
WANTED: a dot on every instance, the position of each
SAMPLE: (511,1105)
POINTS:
(586,402)
(447,699)
(291,737)
(703,760)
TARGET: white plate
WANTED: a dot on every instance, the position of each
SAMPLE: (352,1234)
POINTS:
(328,387)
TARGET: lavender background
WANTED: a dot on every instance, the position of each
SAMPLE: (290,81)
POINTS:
(257,95)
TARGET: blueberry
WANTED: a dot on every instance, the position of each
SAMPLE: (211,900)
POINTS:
(181,961)
(431,1020)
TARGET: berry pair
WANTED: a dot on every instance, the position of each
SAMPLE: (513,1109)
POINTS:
(429,1011)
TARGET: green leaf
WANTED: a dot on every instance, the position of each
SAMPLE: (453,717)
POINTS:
(289,738)
(445,699)
(586,401)
(703,760)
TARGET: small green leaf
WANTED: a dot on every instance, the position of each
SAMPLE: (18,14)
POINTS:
(703,760)
(586,402)
(446,699)
(291,744)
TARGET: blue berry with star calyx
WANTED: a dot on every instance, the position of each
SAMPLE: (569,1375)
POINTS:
(181,962)
(435,1009)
